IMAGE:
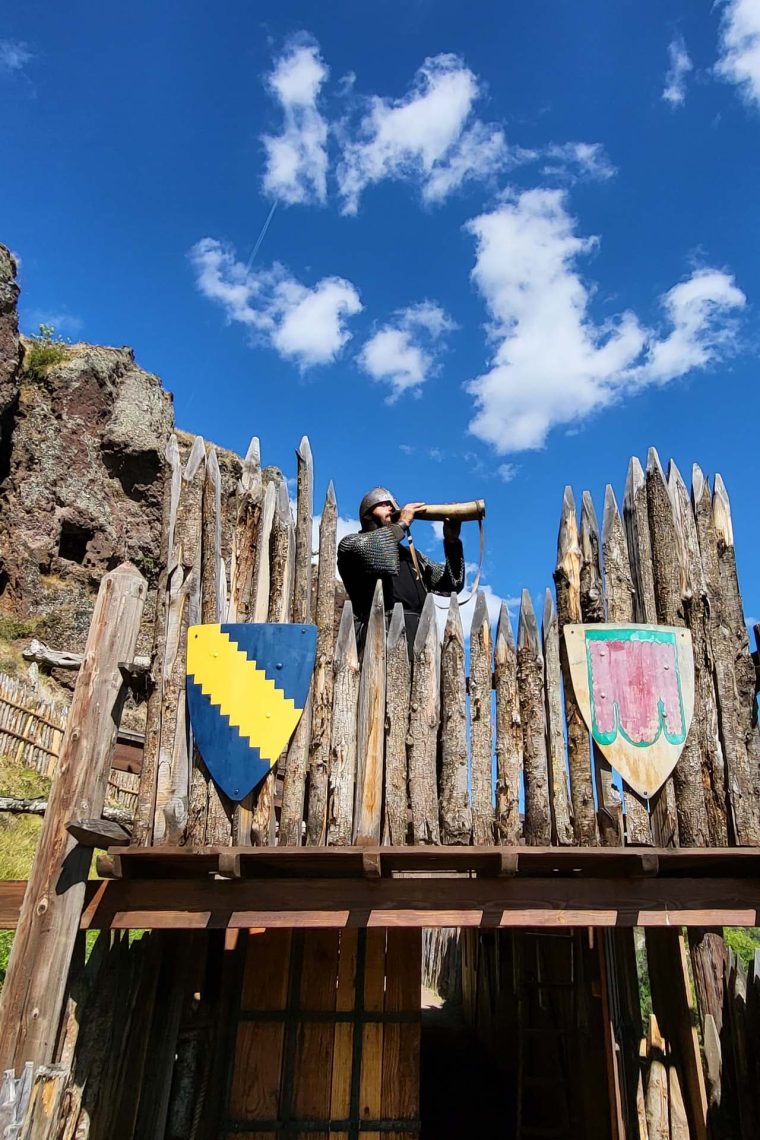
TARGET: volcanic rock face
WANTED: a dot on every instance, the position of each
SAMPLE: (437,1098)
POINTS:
(83,485)
(10,350)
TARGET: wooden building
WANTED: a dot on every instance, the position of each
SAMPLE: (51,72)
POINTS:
(259,968)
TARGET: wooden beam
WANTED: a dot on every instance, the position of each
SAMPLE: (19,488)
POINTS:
(98,833)
(34,988)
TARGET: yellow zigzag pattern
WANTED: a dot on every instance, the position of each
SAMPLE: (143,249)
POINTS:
(240,690)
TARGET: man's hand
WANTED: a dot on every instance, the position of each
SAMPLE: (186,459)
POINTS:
(406,514)
(451,529)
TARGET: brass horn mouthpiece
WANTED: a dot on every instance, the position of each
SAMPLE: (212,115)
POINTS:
(473,511)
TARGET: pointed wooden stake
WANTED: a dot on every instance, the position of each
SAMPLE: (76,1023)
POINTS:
(398,679)
(368,811)
(456,814)
(304,512)
(562,827)
(509,748)
(423,728)
(343,740)
(481,734)
(530,675)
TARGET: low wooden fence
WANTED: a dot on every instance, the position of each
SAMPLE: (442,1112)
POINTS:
(31,728)
(423,753)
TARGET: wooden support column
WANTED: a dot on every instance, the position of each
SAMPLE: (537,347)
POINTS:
(33,994)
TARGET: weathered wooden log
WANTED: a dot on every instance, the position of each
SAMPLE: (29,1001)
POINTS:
(663,817)
(744,782)
(658,1123)
(610,813)
(142,833)
(322,685)
(184,588)
(98,832)
(398,680)
(697,615)
(33,993)
(368,809)
(210,813)
(423,729)
(509,756)
(261,571)
(530,676)
(52,658)
(304,513)
(620,596)
(481,733)
(671,586)
(250,492)
(562,825)
(343,736)
(456,817)
(18,805)
(568,586)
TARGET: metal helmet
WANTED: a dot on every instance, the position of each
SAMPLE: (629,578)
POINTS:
(370,500)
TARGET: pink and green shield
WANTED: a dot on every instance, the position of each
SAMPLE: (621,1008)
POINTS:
(634,685)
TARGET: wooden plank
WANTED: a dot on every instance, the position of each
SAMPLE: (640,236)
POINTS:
(33,992)
(48,1090)
(343,733)
(371,1077)
(481,733)
(568,585)
(342,1065)
(98,832)
(562,827)
(255,1088)
(312,1067)
(530,675)
(401,1040)
(456,817)
(509,755)
(424,714)
(548,901)
(398,680)
(368,807)
(671,586)
(322,686)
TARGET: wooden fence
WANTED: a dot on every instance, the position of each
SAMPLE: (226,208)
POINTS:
(389,751)
(31,728)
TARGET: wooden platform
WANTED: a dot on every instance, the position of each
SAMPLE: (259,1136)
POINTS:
(177,888)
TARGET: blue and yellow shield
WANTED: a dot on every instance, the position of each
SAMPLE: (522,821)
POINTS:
(247,685)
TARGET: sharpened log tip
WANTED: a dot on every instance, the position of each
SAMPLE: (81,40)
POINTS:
(527,632)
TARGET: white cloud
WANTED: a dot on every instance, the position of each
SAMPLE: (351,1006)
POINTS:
(403,353)
(739,61)
(573,161)
(674,91)
(552,364)
(430,135)
(307,325)
(296,159)
(14,57)
(507,472)
(63,322)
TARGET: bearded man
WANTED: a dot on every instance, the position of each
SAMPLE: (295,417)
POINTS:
(379,551)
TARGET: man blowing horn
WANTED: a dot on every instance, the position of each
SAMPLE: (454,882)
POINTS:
(379,551)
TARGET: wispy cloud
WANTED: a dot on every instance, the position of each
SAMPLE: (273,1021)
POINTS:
(304,324)
(404,353)
(739,59)
(674,91)
(552,364)
(60,320)
(573,161)
(430,136)
(14,56)
(296,159)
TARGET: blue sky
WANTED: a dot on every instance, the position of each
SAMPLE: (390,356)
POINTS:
(511,245)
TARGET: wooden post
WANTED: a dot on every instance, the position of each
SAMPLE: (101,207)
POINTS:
(304,511)
(33,993)
(620,595)
(509,756)
(184,588)
(669,572)
(697,613)
(744,782)
(368,810)
(142,828)
(530,675)
(423,728)
(562,825)
(398,680)
(567,579)
(481,735)
(322,685)
(456,814)
(610,815)
(250,492)
(664,821)
(343,738)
